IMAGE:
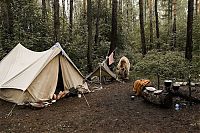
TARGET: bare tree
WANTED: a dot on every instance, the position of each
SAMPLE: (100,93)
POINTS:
(96,40)
(196,7)
(84,7)
(188,48)
(114,41)
(56,21)
(7,23)
(174,25)
(89,24)
(157,24)
(150,22)
(44,10)
(142,33)
(71,19)
(169,16)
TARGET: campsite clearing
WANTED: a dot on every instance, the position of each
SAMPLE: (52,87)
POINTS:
(111,110)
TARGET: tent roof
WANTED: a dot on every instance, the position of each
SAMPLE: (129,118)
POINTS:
(105,71)
(21,66)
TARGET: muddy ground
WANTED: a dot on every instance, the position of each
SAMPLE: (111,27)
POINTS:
(111,110)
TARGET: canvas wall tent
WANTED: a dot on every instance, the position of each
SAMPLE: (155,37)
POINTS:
(102,71)
(28,76)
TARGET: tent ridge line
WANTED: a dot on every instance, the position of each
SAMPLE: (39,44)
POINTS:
(3,85)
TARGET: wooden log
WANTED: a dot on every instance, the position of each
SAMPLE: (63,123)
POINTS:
(159,97)
(185,95)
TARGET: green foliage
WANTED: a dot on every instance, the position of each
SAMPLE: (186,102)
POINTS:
(167,64)
(196,35)
(32,31)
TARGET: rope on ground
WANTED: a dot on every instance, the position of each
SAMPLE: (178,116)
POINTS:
(86,100)
(10,113)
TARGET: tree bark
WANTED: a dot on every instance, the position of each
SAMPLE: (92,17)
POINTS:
(114,38)
(71,19)
(9,19)
(96,40)
(174,26)
(150,23)
(169,16)
(127,16)
(120,15)
(142,32)
(84,7)
(64,15)
(56,21)
(157,24)
(89,23)
(188,50)
(196,7)
(7,24)
(44,10)
(145,10)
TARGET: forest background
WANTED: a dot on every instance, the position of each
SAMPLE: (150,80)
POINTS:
(160,37)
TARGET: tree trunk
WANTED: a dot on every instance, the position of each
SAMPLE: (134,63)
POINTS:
(96,40)
(151,23)
(84,7)
(120,15)
(89,23)
(71,20)
(127,15)
(63,13)
(114,27)
(174,26)
(196,7)
(145,10)
(188,50)
(7,24)
(169,16)
(44,10)
(142,33)
(9,19)
(63,22)
(157,24)
(44,15)
(56,21)
(106,14)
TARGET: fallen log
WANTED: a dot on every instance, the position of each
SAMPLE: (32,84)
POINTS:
(184,93)
(159,97)
(165,98)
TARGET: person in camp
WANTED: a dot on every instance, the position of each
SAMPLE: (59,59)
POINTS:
(123,68)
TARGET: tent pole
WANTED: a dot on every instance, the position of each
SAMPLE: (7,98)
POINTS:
(100,74)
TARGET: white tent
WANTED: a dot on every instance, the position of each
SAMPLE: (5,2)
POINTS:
(28,76)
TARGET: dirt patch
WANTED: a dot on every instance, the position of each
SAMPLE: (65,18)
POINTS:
(111,110)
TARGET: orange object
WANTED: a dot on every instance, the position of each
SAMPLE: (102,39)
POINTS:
(138,85)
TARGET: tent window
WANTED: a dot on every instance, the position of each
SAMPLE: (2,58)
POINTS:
(60,85)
